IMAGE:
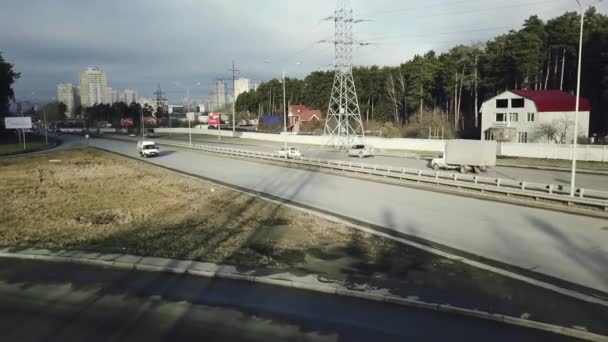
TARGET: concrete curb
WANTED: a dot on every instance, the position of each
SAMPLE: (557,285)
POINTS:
(553,168)
(131,262)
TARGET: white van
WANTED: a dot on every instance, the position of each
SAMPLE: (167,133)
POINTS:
(147,148)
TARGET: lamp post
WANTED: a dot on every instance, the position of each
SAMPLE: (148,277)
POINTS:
(284,108)
(578,94)
(188,108)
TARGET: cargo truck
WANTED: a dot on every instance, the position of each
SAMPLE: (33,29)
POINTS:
(467,155)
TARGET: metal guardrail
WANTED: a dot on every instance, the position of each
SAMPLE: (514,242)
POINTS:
(537,191)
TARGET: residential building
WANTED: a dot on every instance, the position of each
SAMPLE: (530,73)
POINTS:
(217,98)
(128,96)
(93,87)
(533,116)
(300,114)
(241,85)
(66,94)
(114,95)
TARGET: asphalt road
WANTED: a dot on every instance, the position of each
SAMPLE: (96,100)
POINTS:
(588,181)
(68,302)
(570,247)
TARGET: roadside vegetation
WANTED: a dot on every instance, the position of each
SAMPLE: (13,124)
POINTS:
(10,143)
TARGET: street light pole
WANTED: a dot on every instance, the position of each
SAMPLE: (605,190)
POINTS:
(578,94)
(142,123)
(188,116)
(46,129)
(284,115)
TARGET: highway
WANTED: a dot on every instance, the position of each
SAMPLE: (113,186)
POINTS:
(584,180)
(68,302)
(569,247)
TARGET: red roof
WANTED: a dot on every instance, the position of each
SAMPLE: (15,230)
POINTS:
(554,100)
(304,112)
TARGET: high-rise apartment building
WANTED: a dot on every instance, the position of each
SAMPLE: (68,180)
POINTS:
(241,85)
(114,95)
(217,98)
(128,96)
(66,94)
(93,87)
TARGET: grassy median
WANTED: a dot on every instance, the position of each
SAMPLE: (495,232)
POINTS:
(90,200)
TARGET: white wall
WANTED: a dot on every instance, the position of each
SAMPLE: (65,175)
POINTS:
(532,150)
(554,151)
(557,118)
(380,143)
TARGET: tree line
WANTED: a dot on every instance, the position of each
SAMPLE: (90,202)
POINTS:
(452,85)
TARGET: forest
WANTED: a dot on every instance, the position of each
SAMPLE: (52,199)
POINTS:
(447,89)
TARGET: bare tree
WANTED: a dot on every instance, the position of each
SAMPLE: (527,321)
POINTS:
(391,92)
(556,131)
(563,127)
(546,131)
(402,91)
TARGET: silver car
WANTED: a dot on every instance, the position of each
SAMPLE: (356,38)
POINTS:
(290,152)
(361,151)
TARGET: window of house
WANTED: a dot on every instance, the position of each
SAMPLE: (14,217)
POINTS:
(502,103)
(517,103)
(530,117)
(522,137)
(501,117)
(513,117)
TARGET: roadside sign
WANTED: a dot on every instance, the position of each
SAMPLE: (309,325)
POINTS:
(126,122)
(18,122)
(215,119)
(190,116)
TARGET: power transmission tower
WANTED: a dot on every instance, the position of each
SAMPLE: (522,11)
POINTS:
(343,124)
(159,98)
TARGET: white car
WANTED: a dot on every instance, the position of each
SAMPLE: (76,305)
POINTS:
(290,152)
(361,151)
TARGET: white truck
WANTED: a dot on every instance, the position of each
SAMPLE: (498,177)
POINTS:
(147,148)
(467,155)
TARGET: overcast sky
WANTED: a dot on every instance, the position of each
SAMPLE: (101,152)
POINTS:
(144,42)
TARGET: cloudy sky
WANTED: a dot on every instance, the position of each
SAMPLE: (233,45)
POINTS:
(144,42)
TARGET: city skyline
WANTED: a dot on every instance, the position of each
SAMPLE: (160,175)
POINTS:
(73,35)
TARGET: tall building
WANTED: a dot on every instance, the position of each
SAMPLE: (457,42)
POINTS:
(93,87)
(114,95)
(217,98)
(128,96)
(241,85)
(66,94)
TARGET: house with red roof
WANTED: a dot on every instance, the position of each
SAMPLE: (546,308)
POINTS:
(301,114)
(526,116)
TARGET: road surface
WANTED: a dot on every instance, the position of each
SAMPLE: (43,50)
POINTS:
(587,181)
(68,302)
(569,247)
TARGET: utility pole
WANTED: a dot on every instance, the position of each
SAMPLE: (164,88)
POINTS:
(46,129)
(284,117)
(343,123)
(234,71)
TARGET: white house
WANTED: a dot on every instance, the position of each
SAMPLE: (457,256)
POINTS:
(533,116)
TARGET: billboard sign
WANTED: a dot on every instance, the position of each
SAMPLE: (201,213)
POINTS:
(215,119)
(18,122)
(126,122)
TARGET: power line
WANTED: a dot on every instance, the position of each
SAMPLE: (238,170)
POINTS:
(467,11)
